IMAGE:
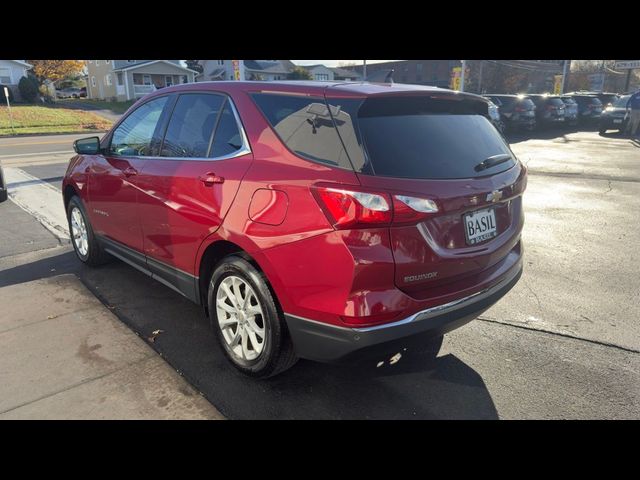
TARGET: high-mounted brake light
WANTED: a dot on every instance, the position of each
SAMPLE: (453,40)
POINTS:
(346,208)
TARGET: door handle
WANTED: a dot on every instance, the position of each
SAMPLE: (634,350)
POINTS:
(130,171)
(210,178)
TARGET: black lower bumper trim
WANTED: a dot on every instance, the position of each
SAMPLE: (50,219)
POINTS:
(327,343)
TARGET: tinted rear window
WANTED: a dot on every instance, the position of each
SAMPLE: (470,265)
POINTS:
(423,138)
(526,103)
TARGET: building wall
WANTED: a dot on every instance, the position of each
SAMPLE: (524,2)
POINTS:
(97,83)
(417,72)
(320,72)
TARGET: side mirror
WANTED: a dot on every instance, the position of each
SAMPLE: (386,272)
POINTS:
(87,146)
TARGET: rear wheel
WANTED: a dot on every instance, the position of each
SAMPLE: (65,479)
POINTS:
(85,243)
(249,327)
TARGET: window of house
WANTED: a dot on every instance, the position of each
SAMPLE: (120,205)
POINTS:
(146,80)
(322,76)
(168,80)
(97,63)
(185,79)
(135,134)
(107,79)
(5,75)
(227,137)
(93,81)
(192,123)
(220,62)
(119,78)
(305,126)
(419,67)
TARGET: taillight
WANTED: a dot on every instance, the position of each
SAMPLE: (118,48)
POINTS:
(351,208)
(412,209)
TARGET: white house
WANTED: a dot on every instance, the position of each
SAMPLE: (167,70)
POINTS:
(11,71)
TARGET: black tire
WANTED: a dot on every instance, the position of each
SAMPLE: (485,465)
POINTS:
(278,353)
(602,131)
(95,255)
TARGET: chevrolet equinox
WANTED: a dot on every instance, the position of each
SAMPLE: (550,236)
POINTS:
(328,221)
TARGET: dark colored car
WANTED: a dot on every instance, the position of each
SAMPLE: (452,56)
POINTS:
(516,111)
(615,116)
(605,97)
(3,187)
(329,221)
(589,108)
(550,109)
(83,92)
(494,115)
(570,111)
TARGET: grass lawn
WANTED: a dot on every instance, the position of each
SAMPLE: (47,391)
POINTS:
(115,107)
(29,119)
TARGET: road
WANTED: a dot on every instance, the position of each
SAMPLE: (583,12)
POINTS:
(564,343)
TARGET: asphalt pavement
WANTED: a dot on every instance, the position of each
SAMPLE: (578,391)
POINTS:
(564,343)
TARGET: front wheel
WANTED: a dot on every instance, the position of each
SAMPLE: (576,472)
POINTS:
(250,328)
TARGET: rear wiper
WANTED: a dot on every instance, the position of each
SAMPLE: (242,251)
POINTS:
(492,161)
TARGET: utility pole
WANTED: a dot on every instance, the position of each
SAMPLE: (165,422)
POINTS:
(364,69)
(565,71)
(464,65)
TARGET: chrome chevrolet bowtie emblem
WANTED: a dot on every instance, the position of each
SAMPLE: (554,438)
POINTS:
(494,196)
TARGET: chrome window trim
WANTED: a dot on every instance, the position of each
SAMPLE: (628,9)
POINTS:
(243,150)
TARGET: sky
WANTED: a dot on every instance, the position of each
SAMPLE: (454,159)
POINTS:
(334,63)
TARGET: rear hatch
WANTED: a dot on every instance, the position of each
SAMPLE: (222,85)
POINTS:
(446,151)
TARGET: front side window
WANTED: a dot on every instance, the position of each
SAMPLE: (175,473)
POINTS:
(191,126)
(305,126)
(134,135)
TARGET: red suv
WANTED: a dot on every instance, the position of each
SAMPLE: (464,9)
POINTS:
(326,221)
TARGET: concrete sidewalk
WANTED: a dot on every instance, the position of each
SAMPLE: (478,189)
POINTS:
(64,355)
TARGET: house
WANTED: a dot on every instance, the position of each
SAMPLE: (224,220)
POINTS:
(122,80)
(11,71)
(345,75)
(265,70)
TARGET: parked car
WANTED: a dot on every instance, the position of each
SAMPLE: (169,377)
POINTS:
(589,108)
(258,201)
(3,187)
(68,93)
(494,115)
(615,116)
(83,92)
(605,97)
(550,109)
(516,111)
(570,111)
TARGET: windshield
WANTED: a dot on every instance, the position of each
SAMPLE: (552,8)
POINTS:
(419,138)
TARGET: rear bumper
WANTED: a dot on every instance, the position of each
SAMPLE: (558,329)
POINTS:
(328,343)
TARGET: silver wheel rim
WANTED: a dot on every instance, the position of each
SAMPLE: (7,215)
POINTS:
(240,318)
(79,232)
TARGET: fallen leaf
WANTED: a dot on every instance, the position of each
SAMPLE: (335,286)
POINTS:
(154,334)
(395,359)
(157,332)
(379,364)
(51,317)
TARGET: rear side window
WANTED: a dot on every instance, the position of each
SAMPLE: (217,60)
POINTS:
(305,126)
(191,126)
(413,137)
(135,134)
(227,139)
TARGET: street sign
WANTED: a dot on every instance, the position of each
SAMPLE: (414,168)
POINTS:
(455,78)
(627,64)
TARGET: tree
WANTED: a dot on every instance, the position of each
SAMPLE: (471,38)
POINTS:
(55,70)
(299,73)
(194,65)
(28,87)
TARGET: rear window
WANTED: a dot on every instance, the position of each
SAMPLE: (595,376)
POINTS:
(418,137)
(556,102)
(568,100)
(526,103)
